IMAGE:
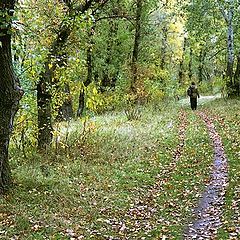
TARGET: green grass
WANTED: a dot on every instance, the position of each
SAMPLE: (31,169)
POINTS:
(100,182)
(80,189)
(227,120)
(182,192)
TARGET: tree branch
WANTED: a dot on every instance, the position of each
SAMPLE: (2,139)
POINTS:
(129,18)
(222,10)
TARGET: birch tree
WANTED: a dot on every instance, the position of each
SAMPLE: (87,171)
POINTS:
(227,13)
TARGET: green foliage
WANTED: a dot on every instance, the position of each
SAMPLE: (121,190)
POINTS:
(115,166)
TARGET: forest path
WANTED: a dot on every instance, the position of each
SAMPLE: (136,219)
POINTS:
(201,101)
(207,216)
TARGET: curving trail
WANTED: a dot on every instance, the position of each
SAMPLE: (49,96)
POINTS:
(207,216)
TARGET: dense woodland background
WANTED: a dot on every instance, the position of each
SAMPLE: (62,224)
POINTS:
(73,57)
(66,64)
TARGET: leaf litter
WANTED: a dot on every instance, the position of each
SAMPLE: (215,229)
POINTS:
(141,215)
(207,216)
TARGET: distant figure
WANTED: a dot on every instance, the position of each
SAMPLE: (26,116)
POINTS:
(192,92)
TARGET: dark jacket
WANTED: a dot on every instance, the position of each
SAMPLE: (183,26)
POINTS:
(192,91)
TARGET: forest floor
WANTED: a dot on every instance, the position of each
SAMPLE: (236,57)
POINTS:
(162,176)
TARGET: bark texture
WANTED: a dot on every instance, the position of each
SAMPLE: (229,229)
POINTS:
(10,94)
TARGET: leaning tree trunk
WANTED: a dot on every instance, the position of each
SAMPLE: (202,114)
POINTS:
(136,46)
(56,52)
(44,86)
(10,93)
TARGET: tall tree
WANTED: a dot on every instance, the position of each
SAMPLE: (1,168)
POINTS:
(164,47)
(228,17)
(237,76)
(190,70)
(201,58)
(88,80)
(181,65)
(10,91)
(137,39)
(56,54)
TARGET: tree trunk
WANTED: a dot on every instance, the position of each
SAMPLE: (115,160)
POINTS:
(164,47)
(109,78)
(228,16)
(81,99)
(230,47)
(137,39)
(44,86)
(56,53)
(201,58)
(190,64)
(10,93)
(44,107)
(81,103)
(65,112)
(237,76)
(181,66)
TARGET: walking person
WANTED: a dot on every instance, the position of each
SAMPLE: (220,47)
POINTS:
(193,93)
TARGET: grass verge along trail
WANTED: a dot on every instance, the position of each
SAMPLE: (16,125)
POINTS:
(208,213)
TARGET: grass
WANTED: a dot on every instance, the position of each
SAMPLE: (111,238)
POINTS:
(117,178)
(90,183)
(187,181)
(227,120)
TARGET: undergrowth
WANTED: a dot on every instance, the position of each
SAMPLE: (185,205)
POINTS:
(111,178)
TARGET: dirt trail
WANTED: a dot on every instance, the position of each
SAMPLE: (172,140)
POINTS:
(207,216)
